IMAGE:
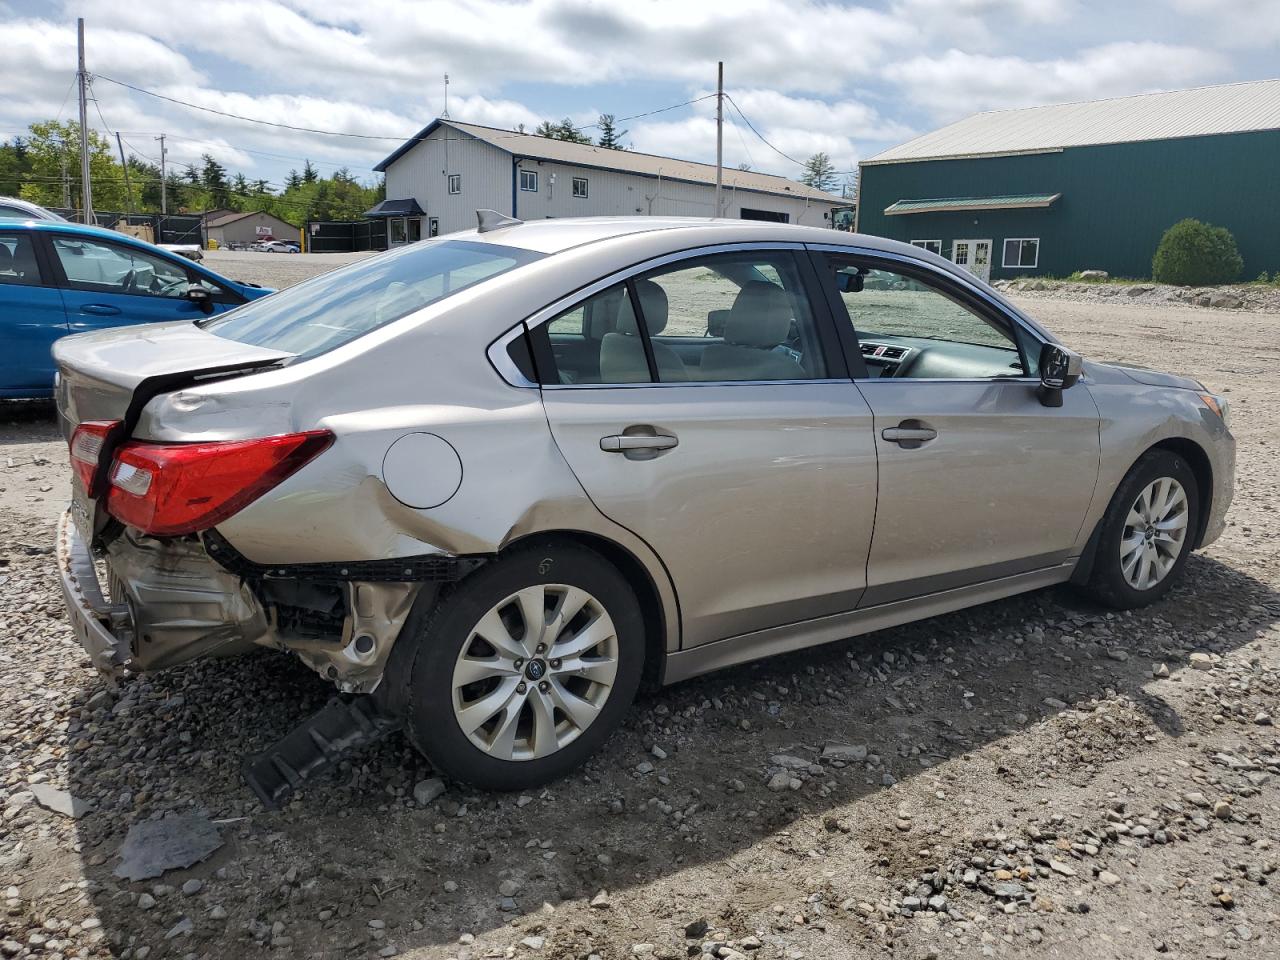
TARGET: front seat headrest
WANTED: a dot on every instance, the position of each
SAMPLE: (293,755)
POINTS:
(6,258)
(761,316)
(653,303)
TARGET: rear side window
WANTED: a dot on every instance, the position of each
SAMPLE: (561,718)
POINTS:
(18,260)
(337,307)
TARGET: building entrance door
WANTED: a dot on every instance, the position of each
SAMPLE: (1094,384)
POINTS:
(974,256)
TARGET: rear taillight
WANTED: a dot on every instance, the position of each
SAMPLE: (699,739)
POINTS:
(171,489)
(86,449)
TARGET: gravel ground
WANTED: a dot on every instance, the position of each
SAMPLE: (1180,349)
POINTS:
(1032,778)
(276,270)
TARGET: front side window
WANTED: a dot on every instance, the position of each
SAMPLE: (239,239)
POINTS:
(455,183)
(103,267)
(18,263)
(1021,253)
(739,317)
(911,325)
(529,181)
(580,187)
(334,308)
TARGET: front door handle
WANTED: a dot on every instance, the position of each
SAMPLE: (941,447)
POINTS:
(100,309)
(909,434)
(624,442)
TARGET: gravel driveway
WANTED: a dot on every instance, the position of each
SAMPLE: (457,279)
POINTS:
(1037,777)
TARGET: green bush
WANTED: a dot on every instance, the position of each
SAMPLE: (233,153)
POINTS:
(1193,254)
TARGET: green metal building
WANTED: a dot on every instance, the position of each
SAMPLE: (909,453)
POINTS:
(1050,190)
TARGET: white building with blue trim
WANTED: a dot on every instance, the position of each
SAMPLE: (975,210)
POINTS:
(438,179)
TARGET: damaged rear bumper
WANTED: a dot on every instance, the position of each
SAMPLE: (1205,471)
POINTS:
(172,602)
(87,607)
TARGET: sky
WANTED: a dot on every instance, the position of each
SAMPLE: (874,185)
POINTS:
(848,79)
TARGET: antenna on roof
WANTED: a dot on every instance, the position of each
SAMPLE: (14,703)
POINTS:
(445,114)
(493,220)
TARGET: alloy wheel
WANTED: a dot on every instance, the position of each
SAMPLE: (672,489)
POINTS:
(1155,531)
(535,672)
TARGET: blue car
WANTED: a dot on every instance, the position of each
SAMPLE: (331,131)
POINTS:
(62,278)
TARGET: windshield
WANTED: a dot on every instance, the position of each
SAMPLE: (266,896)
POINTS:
(338,307)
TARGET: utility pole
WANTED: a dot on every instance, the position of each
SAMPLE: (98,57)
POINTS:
(124,165)
(719,133)
(66,182)
(164,200)
(86,188)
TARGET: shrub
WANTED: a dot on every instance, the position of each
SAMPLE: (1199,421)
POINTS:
(1192,253)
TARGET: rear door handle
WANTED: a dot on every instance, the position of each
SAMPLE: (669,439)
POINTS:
(100,309)
(909,434)
(624,442)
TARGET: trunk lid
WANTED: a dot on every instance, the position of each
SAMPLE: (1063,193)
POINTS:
(112,374)
(100,372)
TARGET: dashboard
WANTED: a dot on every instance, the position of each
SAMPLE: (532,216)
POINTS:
(922,358)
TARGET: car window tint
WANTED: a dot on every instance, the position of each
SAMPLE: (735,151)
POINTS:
(910,328)
(103,267)
(731,317)
(18,263)
(617,355)
(337,307)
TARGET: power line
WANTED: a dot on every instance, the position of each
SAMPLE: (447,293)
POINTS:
(365,136)
(761,135)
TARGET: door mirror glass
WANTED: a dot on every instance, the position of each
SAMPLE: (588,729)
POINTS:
(200,296)
(1060,368)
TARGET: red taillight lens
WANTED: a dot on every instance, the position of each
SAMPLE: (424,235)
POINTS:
(171,489)
(86,447)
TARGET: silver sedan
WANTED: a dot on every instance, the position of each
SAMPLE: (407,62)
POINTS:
(489,484)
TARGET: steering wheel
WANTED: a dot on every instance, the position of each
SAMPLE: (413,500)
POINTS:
(129,282)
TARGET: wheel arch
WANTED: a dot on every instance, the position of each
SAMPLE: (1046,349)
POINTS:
(1201,469)
(637,576)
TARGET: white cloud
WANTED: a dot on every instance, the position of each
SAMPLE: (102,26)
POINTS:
(955,84)
(1237,23)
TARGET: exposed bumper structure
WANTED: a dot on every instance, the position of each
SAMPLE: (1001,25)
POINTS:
(173,603)
(87,608)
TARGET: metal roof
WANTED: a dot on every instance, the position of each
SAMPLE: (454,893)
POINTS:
(1200,112)
(223,220)
(1012,201)
(527,145)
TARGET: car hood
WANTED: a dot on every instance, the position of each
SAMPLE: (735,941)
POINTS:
(1149,377)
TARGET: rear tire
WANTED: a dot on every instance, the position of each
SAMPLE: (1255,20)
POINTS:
(525,668)
(1148,532)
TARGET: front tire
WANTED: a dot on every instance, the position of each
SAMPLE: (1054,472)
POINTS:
(1148,532)
(525,668)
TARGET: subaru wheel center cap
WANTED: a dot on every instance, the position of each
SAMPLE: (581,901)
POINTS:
(535,669)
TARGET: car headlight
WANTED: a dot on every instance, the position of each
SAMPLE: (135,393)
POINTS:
(1219,405)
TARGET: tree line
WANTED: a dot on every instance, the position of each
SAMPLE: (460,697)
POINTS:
(44,167)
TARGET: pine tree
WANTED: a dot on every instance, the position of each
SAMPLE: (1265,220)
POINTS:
(610,135)
(309,174)
(293,181)
(819,172)
(564,130)
(213,177)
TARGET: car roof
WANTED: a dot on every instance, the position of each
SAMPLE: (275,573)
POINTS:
(556,235)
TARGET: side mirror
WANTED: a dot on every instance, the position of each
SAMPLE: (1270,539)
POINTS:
(850,282)
(717,320)
(1060,368)
(200,296)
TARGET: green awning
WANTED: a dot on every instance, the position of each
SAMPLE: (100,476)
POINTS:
(1012,201)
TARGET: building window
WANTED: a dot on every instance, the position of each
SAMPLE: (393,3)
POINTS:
(1022,252)
(455,183)
(580,187)
(933,246)
(529,181)
(746,213)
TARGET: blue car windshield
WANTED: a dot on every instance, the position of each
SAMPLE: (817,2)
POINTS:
(336,308)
